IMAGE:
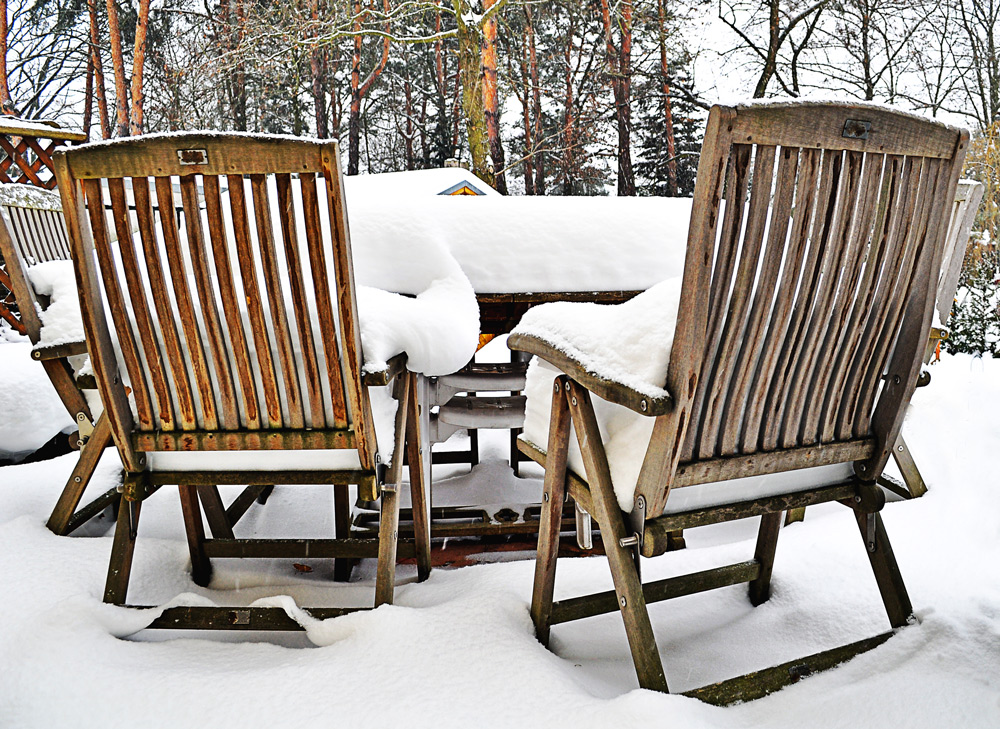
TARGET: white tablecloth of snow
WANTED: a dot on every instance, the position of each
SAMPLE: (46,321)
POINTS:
(525,244)
(61,320)
(31,412)
(630,343)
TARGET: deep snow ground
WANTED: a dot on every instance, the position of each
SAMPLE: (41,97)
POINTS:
(458,650)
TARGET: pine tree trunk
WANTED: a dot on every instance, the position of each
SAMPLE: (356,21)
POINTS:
(6,105)
(138,66)
(620,70)
(568,120)
(491,100)
(359,88)
(538,156)
(118,62)
(668,116)
(528,163)
(88,98)
(95,56)
(317,66)
(470,43)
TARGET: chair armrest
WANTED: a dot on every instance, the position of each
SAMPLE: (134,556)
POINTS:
(59,351)
(382,377)
(609,390)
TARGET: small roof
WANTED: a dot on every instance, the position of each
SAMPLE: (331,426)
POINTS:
(40,128)
(417,183)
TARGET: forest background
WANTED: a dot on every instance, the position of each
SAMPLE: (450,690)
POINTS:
(538,97)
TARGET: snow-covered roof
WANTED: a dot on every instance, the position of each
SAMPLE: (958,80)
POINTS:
(440,181)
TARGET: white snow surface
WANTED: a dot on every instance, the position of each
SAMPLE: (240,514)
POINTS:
(390,185)
(61,319)
(31,412)
(525,244)
(458,650)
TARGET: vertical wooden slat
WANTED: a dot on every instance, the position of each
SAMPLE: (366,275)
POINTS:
(836,230)
(252,297)
(717,387)
(324,304)
(886,277)
(775,341)
(347,309)
(119,309)
(99,345)
(777,396)
(890,191)
(230,306)
(764,294)
(161,303)
(137,299)
(821,411)
(916,238)
(303,317)
(185,306)
(276,300)
(737,179)
(206,297)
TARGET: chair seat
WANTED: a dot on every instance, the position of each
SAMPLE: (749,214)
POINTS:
(319,460)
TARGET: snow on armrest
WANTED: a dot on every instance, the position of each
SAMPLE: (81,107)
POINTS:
(62,322)
(625,343)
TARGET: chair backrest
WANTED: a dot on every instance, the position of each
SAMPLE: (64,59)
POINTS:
(963,214)
(32,231)
(821,264)
(229,330)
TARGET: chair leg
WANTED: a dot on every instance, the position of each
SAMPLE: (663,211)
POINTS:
(215,512)
(264,493)
(418,487)
(887,575)
(201,566)
(628,586)
(550,519)
(342,566)
(388,531)
(90,455)
(122,549)
(767,542)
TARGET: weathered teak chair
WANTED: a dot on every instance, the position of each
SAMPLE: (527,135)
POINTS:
(32,231)
(232,357)
(801,327)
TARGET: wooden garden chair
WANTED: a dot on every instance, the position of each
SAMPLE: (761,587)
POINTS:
(803,315)
(232,357)
(32,231)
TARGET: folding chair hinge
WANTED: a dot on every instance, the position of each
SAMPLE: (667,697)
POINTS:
(870,532)
(584,529)
(136,488)
(637,522)
(85,429)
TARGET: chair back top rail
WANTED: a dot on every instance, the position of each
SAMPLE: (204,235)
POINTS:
(815,278)
(237,316)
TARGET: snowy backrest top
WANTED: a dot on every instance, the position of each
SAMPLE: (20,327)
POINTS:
(26,196)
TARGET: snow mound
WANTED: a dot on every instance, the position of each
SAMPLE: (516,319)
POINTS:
(61,320)
(32,411)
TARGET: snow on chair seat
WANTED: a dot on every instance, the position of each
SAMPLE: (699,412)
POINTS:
(802,318)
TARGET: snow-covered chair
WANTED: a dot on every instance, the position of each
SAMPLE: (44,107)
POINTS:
(35,248)
(233,356)
(774,375)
